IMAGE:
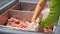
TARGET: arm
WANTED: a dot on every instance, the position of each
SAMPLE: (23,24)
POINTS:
(40,6)
(53,16)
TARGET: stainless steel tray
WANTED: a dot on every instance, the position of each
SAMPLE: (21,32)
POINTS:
(23,15)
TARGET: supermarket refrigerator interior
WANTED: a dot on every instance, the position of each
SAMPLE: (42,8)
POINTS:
(17,17)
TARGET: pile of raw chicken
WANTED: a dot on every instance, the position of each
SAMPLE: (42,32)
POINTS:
(22,25)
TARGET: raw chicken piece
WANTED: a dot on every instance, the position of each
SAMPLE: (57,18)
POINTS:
(48,29)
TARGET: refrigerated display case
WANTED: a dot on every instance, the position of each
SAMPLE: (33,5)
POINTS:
(19,10)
